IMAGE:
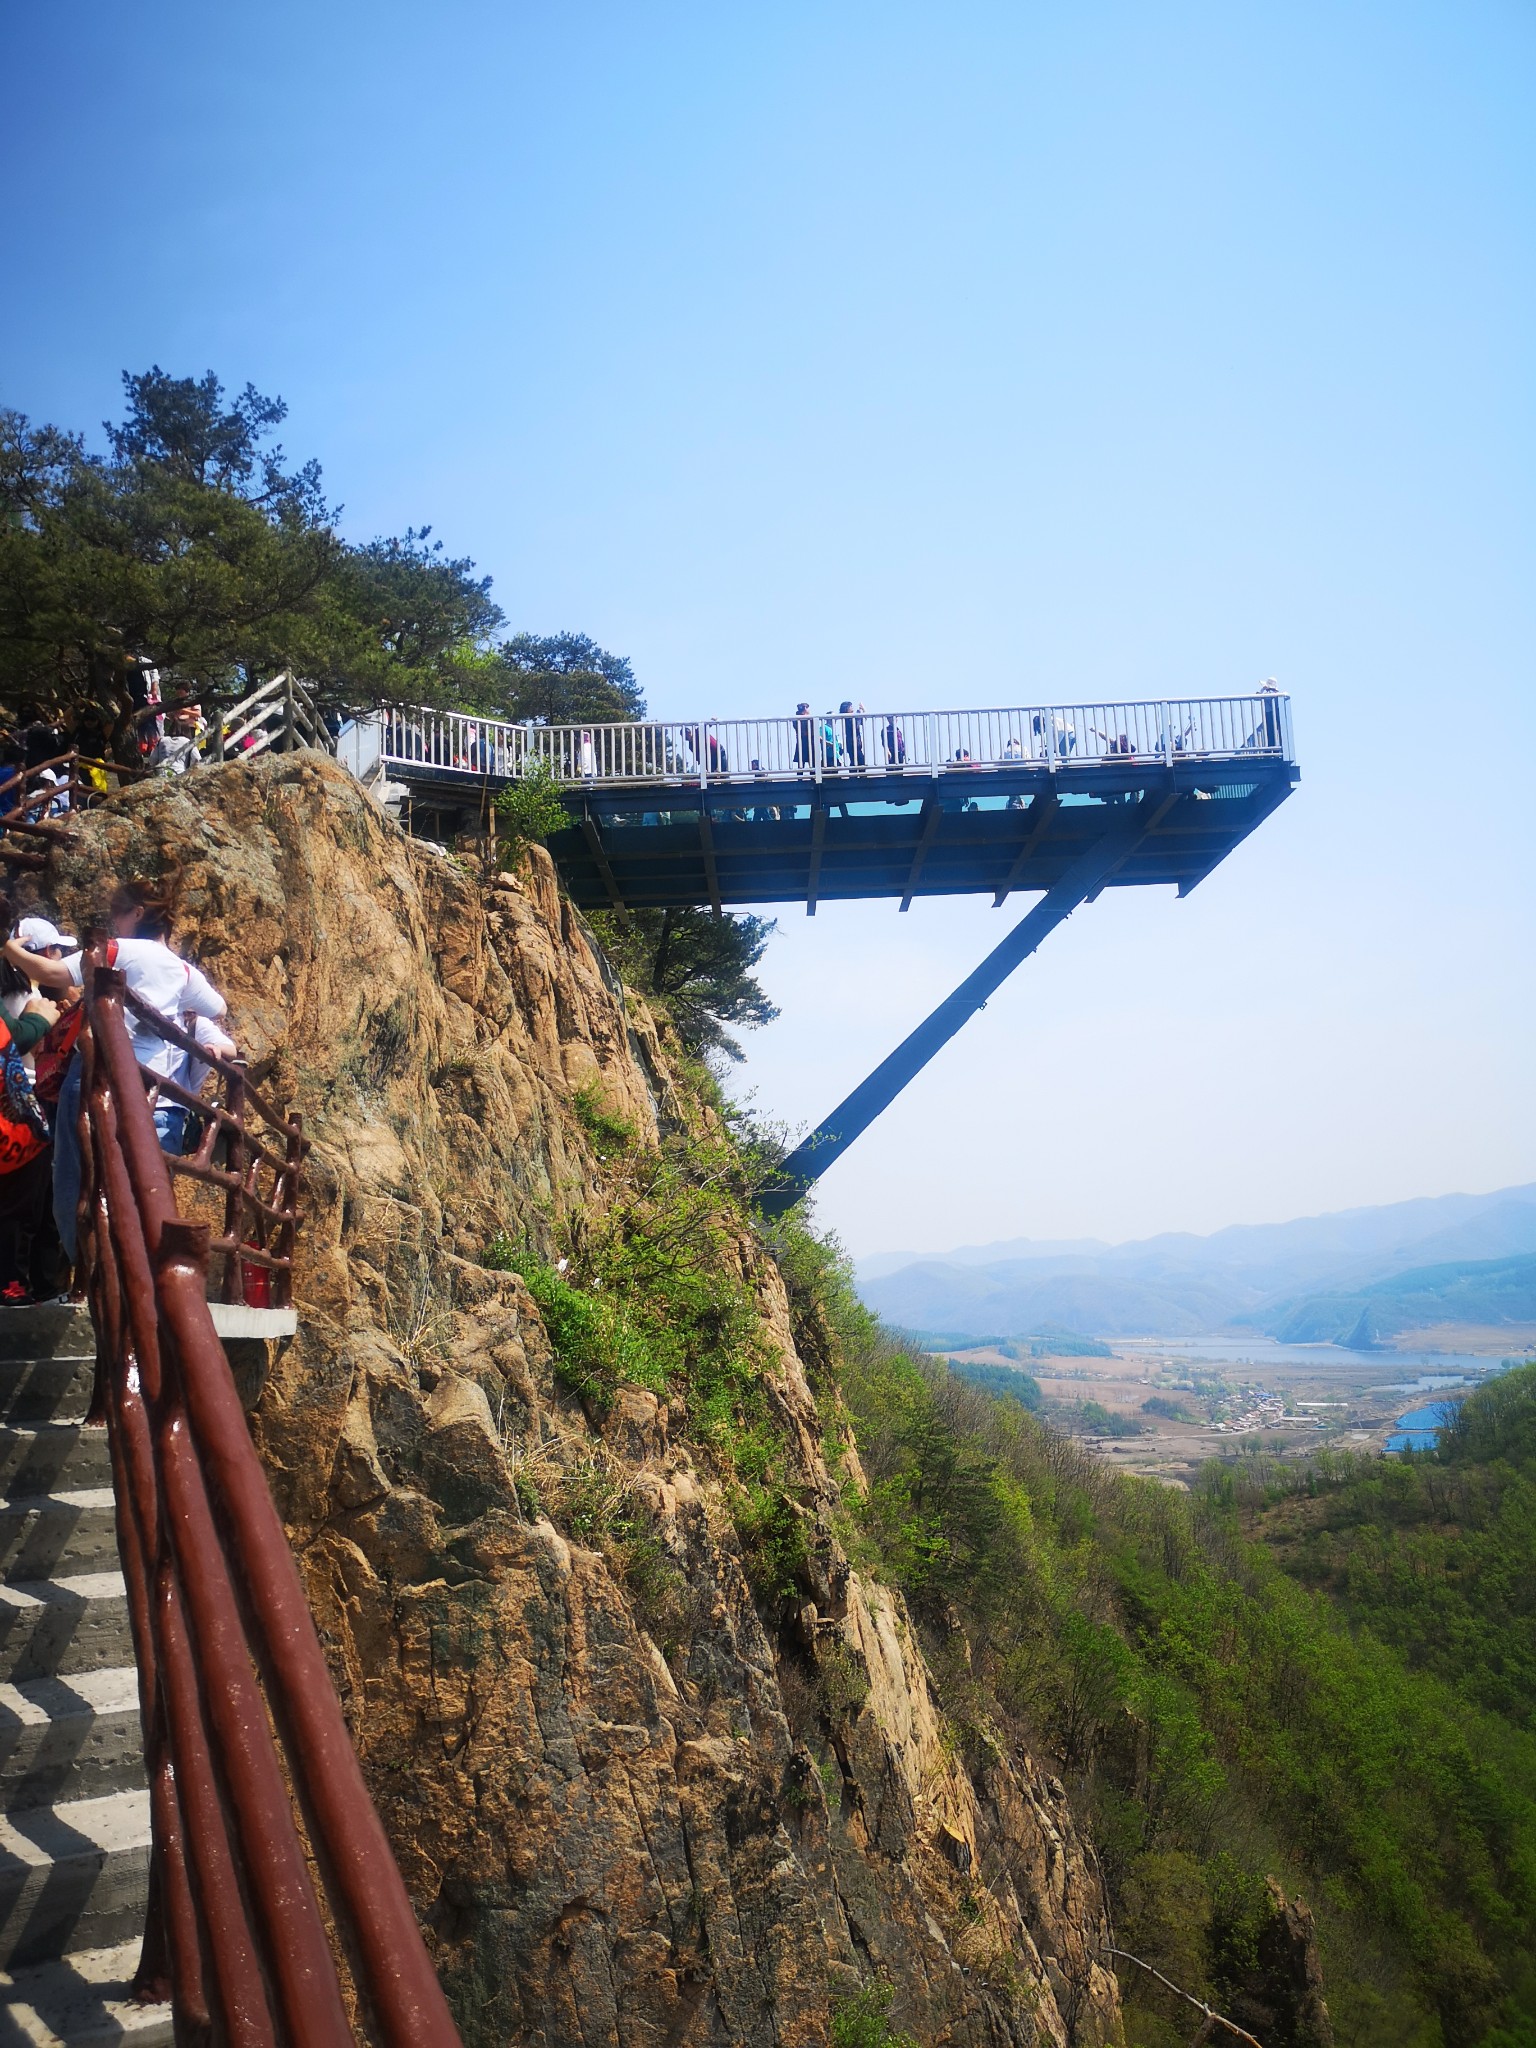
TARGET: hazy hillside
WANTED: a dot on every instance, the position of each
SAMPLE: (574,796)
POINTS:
(1179,1285)
(1461,1291)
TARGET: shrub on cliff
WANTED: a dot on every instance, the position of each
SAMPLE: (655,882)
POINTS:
(529,810)
(698,964)
(652,1292)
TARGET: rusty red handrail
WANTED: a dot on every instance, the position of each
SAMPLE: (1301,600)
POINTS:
(23,792)
(259,1223)
(242,1725)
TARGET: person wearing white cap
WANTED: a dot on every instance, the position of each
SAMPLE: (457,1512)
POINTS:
(139,917)
(38,939)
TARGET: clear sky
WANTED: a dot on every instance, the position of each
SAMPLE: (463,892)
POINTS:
(957,354)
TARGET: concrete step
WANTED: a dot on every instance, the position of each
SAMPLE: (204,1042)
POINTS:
(57,1627)
(56,1535)
(44,1456)
(73,1876)
(45,1332)
(80,2001)
(48,1388)
(70,1738)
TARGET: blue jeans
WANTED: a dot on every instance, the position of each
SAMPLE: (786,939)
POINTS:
(171,1127)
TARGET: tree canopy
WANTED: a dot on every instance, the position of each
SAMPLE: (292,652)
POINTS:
(190,546)
(699,964)
(562,679)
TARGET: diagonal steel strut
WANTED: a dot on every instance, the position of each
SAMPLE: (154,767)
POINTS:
(835,1133)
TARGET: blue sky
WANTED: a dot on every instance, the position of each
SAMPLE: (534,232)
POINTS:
(952,355)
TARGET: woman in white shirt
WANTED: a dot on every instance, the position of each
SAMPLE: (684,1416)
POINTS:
(139,917)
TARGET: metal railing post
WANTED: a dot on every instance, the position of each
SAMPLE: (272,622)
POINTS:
(234,1266)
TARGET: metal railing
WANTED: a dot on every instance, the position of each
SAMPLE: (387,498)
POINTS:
(818,745)
(277,717)
(245,1150)
(34,802)
(255,1789)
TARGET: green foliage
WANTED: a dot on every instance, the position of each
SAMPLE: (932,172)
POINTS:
(611,1135)
(530,809)
(698,964)
(190,545)
(652,1293)
(1094,1419)
(560,679)
(598,1340)
(863,2021)
(1223,1720)
(1002,1380)
(1166,1406)
(1055,1343)
(1433,1553)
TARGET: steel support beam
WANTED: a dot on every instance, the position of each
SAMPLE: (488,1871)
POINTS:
(832,1137)
(1036,819)
(1154,807)
(818,835)
(600,857)
(707,848)
(931,816)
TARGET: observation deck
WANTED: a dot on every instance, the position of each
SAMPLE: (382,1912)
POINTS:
(855,805)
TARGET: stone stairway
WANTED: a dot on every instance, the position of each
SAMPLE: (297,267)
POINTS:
(74,1812)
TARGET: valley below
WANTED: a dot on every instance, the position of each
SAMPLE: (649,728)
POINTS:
(1216,1397)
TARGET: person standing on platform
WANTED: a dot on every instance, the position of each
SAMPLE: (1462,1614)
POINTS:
(801,737)
(853,733)
(1269,698)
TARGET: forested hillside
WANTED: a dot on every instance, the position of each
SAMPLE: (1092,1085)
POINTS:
(1461,1291)
(1335,1692)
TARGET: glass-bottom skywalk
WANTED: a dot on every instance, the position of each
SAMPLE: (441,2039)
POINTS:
(824,808)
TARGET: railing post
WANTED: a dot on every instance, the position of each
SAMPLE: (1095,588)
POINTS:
(283,1244)
(234,1265)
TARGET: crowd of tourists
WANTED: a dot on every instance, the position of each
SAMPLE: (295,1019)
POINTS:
(42,972)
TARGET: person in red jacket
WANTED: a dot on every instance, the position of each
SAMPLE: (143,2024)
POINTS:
(32,1263)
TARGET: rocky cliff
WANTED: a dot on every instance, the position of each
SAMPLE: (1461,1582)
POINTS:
(640,1793)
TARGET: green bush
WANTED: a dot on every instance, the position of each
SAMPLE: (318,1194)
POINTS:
(611,1135)
(531,808)
(863,2021)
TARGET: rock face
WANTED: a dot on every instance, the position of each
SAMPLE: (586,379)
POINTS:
(624,1818)
(1284,2005)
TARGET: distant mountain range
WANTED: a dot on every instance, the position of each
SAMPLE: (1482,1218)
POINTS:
(1361,1274)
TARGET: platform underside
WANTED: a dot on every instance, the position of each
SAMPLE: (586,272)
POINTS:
(1002,831)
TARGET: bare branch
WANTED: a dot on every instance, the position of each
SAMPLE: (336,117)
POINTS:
(1213,2018)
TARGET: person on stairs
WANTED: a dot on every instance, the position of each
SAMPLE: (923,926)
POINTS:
(140,917)
(32,1264)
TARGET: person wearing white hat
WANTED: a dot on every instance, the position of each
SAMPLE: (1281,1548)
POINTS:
(38,935)
(39,939)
